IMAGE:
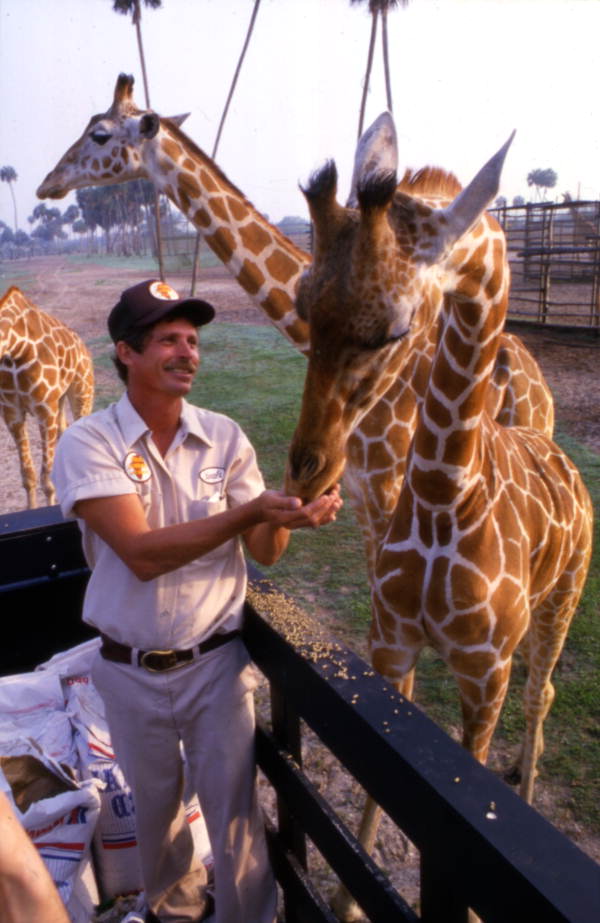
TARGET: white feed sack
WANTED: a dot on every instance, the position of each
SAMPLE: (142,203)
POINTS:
(115,843)
(32,706)
(59,815)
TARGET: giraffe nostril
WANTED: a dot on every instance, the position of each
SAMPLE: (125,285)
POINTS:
(304,463)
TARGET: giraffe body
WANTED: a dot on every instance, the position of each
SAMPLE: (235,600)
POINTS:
(43,365)
(127,143)
(489,540)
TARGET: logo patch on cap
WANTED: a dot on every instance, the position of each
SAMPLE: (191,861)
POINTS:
(163,291)
(136,467)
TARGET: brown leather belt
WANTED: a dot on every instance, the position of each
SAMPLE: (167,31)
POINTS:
(160,661)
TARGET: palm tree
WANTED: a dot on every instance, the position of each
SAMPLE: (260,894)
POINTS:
(134,7)
(542,179)
(377,7)
(9,175)
(222,123)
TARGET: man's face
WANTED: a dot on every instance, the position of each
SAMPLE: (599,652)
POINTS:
(168,361)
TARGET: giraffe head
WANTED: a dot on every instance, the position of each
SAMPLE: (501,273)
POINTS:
(109,150)
(380,273)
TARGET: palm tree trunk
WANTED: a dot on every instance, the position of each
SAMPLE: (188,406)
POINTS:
(235,76)
(363,102)
(12,192)
(137,17)
(386,59)
(220,128)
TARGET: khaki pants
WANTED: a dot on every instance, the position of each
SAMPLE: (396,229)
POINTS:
(209,706)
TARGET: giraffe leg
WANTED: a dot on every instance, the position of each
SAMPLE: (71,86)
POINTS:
(62,415)
(481,699)
(512,775)
(342,903)
(549,626)
(18,431)
(49,431)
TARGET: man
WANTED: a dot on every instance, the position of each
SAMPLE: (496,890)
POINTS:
(165,494)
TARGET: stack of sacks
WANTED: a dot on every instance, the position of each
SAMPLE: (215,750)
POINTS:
(115,845)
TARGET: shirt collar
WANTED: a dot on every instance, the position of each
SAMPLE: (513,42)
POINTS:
(130,423)
(133,427)
(192,423)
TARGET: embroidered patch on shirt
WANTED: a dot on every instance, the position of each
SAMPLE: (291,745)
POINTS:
(212,475)
(136,467)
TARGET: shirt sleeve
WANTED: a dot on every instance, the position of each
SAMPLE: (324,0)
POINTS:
(86,466)
(245,481)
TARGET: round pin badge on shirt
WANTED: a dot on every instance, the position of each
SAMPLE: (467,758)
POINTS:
(136,467)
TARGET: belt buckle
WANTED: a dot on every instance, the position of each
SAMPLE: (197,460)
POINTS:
(171,662)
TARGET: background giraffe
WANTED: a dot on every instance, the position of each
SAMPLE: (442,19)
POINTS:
(585,231)
(490,540)
(127,143)
(42,365)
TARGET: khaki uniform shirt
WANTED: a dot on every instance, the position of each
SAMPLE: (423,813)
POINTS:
(209,467)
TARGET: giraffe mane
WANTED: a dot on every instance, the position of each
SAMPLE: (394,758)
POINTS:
(190,145)
(9,291)
(429,181)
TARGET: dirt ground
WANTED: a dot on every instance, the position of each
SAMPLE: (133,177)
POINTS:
(81,295)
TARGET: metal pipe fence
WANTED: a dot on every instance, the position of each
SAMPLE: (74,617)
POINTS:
(554,255)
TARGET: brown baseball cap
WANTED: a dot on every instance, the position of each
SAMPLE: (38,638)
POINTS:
(149,302)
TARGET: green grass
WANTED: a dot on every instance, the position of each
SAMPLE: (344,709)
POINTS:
(252,374)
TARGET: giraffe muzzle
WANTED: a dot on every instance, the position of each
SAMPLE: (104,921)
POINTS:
(310,473)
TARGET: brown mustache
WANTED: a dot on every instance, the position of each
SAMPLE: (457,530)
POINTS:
(181,367)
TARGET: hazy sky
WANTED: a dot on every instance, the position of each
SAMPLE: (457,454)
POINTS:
(465,73)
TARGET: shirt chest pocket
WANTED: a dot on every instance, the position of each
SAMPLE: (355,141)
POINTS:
(210,506)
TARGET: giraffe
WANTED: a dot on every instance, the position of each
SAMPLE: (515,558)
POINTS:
(585,231)
(489,542)
(42,365)
(127,143)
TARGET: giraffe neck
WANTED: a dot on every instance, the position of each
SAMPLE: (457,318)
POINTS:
(263,260)
(444,460)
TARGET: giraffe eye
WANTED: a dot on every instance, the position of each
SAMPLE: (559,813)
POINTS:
(381,339)
(100,137)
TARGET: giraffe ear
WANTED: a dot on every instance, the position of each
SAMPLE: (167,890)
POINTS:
(470,204)
(465,211)
(149,125)
(376,153)
(178,119)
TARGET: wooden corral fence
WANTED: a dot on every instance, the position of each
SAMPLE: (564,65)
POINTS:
(554,254)
(479,844)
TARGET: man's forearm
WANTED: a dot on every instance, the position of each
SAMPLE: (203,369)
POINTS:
(266,542)
(149,553)
(120,521)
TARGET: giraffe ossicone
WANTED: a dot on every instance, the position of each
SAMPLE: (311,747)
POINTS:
(489,541)
(43,365)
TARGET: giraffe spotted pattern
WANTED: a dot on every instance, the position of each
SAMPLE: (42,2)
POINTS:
(269,267)
(486,542)
(43,364)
